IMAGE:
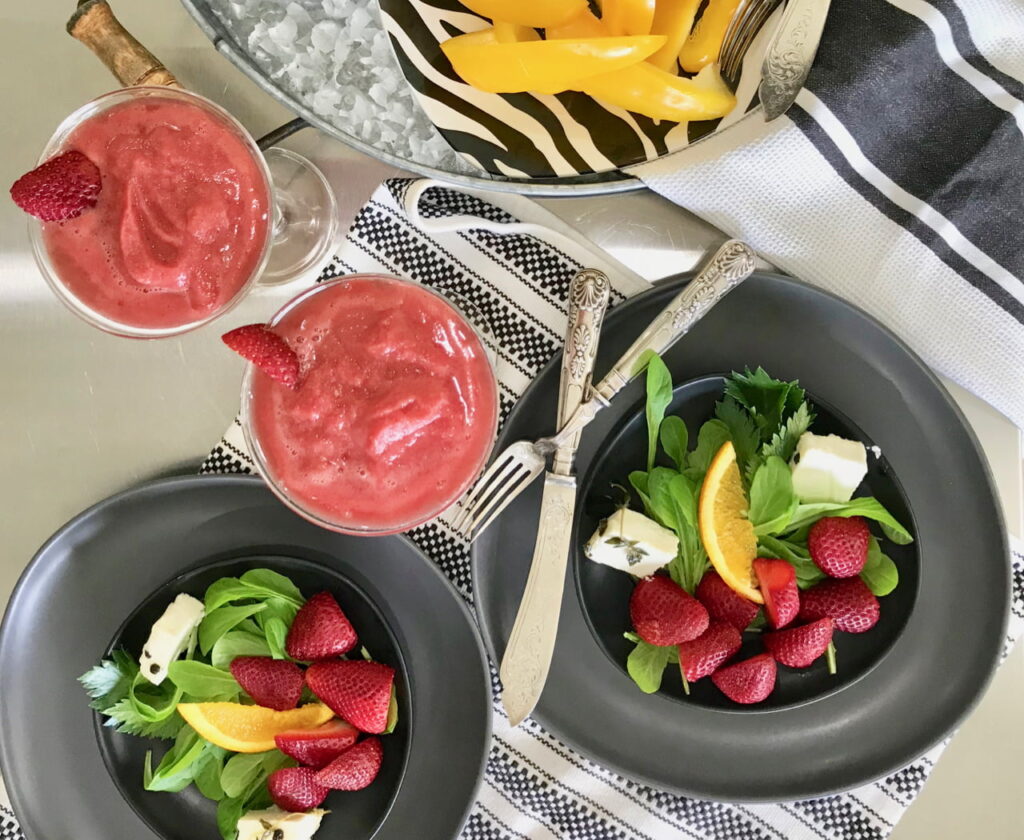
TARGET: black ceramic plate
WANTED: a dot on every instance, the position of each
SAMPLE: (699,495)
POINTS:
(901,693)
(104,577)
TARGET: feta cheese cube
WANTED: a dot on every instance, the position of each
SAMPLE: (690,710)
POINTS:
(275,824)
(828,468)
(169,636)
(631,542)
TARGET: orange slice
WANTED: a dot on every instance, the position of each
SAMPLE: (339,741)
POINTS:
(725,530)
(249,729)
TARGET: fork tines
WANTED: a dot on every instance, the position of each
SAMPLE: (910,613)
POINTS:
(743,29)
(492,492)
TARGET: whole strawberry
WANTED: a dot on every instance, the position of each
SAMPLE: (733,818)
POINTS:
(777,580)
(663,613)
(296,789)
(848,602)
(358,691)
(724,603)
(60,188)
(355,768)
(798,647)
(839,545)
(274,683)
(749,681)
(260,345)
(703,655)
(318,747)
(320,630)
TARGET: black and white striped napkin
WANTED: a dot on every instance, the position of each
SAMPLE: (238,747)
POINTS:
(896,180)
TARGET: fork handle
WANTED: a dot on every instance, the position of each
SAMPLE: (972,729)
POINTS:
(733,263)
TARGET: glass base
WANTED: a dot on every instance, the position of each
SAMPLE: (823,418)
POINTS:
(305,218)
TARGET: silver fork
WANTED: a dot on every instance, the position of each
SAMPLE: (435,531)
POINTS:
(742,30)
(513,470)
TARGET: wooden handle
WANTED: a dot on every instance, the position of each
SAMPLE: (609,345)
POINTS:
(94,24)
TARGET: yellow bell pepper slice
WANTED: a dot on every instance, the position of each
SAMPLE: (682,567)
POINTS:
(584,25)
(512,33)
(674,20)
(534,13)
(705,42)
(542,66)
(645,89)
(627,17)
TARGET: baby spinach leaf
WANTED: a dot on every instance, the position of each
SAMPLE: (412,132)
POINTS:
(807,572)
(638,479)
(690,562)
(240,771)
(879,572)
(275,584)
(772,500)
(710,438)
(207,777)
(229,812)
(277,632)
(659,395)
(866,506)
(215,624)
(256,584)
(203,682)
(646,664)
(658,481)
(675,440)
(177,768)
(153,703)
(237,643)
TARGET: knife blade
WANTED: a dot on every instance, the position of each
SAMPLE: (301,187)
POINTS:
(527,658)
(790,55)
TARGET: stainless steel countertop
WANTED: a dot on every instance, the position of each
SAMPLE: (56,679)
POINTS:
(85,414)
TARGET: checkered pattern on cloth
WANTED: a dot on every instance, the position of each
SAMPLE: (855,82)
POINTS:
(535,787)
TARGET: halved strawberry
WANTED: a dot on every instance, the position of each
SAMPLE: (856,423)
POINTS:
(703,655)
(839,545)
(260,345)
(749,681)
(318,747)
(60,188)
(848,602)
(358,691)
(296,788)
(663,613)
(724,603)
(274,683)
(777,580)
(320,630)
(355,768)
(798,647)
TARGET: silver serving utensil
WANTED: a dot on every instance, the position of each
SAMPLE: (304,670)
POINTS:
(790,55)
(524,667)
(523,461)
(746,23)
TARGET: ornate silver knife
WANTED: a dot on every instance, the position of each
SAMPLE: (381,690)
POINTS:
(790,55)
(524,667)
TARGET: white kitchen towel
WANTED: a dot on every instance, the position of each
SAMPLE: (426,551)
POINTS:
(535,787)
(895,181)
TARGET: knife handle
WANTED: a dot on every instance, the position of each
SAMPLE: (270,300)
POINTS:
(588,300)
(790,54)
(731,264)
(527,658)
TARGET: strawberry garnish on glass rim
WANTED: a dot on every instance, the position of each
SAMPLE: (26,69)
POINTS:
(60,188)
(260,345)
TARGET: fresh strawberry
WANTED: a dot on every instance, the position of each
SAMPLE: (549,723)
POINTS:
(320,630)
(724,603)
(274,683)
(296,788)
(798,647)
(663,613)
(839,545)
(749,681)
(848,602)
(777,579)
(355,768)
(60,188)
(358,691)
(318,747)
(703,655)
(267,350)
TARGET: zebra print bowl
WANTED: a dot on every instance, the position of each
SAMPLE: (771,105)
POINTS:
(537,138)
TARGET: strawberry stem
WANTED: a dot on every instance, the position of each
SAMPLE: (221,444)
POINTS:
(830,657)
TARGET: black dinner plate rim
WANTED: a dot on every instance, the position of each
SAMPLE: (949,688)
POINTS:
(21,800)
(781,793)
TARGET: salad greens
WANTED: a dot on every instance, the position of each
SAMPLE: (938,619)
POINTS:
(764,418)
(245,616)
